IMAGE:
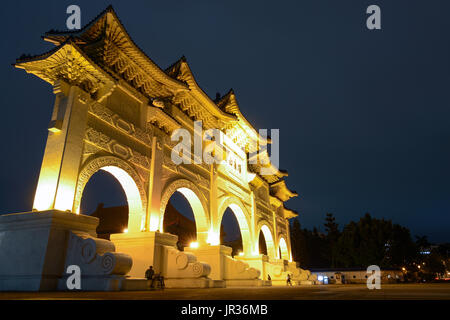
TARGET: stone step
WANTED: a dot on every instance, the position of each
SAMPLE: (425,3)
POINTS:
(142,284)
(136,284)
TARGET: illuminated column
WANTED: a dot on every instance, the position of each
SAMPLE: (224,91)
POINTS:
(288,238)
(275,234)
(60,165)
(255,245)
(214,232)
(154,221)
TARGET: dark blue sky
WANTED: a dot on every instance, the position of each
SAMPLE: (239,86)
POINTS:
(363,115)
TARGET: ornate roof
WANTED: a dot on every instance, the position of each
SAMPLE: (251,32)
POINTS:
(181,71)
(68,62)
(281,191)
(107,42)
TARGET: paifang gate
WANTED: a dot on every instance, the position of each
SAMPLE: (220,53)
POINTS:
(116,110)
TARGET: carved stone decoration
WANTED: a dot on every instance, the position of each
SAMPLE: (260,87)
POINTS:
(100,266)
(117,122)
(98,163)
(106,143)
(184,265)
(97,138)
(239,270)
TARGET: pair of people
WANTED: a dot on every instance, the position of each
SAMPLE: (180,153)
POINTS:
(150,275)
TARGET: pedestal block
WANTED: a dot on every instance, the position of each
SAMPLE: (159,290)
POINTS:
(34,250)
(179,269)
(145,248)
(258,262)
(224,267)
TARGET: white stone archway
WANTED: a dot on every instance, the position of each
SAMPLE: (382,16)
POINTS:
(242,216)
(128,179)
(197,202)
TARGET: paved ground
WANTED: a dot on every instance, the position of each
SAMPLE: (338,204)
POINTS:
(321,292)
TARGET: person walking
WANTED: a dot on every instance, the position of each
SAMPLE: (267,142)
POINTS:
(288,280)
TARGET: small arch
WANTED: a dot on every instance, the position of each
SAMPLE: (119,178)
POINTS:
(283,248)
(128,179)
(242,216)
(196,200)
(267,232)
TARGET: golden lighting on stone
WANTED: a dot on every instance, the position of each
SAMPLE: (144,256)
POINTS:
(90,131)
(193,245)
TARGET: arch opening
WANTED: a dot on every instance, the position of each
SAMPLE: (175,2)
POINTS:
(117,201)
(191,195)
(230,233)
(179,220)
(283,249)
(265,238)
(234,220)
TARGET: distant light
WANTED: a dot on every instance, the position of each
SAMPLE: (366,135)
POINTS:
(404,269)
(320,278)
(194,245)
(418,267)
(125,230)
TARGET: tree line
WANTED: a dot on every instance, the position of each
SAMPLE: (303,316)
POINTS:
(366,242)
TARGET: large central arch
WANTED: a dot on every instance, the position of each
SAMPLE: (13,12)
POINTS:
(242,215)
(197,202)
(128,179)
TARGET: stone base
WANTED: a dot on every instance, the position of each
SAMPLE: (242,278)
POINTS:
(145,248)
(224,267)
(189,283)
(248,283)
(33,248)
(112,283)
(137,284)
(281,283)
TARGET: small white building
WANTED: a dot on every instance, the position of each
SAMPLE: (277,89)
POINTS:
(354,275)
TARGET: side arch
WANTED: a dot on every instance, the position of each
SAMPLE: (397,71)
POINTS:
(243,217)
(196,200)
(282,245)
(128,179)
(264,227)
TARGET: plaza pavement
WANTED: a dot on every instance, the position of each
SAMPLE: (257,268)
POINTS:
(435,291)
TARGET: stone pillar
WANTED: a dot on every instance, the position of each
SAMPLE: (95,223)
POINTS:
(63,151)
(288,239)
(214,233)
(154,219)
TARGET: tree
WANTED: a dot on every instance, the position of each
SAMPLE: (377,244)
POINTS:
(332,236)
(375,241)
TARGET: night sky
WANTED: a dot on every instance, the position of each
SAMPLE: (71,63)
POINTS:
(364,115)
